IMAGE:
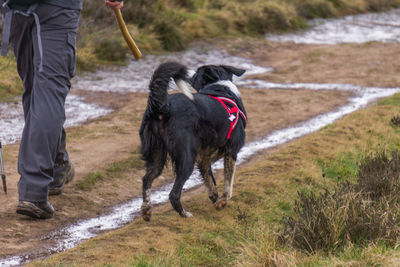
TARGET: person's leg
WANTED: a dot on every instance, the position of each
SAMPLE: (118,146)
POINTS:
(64,170)
(69,20)
(22,45)
(62,154)
(42,134)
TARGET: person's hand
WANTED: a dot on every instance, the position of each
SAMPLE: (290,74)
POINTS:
(114,4)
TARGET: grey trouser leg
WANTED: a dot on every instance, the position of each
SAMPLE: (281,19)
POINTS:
(43,137)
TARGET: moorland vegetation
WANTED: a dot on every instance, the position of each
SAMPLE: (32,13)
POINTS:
(161,25)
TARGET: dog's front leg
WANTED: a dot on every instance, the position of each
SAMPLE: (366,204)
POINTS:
(229,175)
(146,205)
(206,172)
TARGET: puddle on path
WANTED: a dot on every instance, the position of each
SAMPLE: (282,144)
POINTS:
(380,27)
(77,112)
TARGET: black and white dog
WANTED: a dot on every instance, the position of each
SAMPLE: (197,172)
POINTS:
(199,128)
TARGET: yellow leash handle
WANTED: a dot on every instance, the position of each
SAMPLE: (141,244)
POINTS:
(128,38)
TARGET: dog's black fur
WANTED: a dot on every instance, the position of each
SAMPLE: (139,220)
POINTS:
(190,131)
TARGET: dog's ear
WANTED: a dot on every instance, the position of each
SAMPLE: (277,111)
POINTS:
(205,75)
(211,74)
(196,80)
(233,70)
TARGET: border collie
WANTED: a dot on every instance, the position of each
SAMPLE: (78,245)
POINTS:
(199,128)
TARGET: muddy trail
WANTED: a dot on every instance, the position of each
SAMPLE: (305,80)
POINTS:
(290,90)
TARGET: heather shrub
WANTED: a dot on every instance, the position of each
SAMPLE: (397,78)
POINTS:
(271,16)
(141,12)
(378,175)
(316,9)
(319,222)
(378,5)
(395,120)
(189,4)
(170,36)
(360,213)
(110,50)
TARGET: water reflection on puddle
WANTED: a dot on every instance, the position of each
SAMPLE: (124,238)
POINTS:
(379,27)
(77,112)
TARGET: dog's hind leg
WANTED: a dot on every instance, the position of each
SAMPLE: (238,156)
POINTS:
(229,175)
(184,166)
(206,172)
(153,170)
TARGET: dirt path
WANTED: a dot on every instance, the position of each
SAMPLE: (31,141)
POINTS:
(104,143)
(369,64)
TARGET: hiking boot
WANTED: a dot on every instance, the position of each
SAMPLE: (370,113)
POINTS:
(37,210)
(63,174)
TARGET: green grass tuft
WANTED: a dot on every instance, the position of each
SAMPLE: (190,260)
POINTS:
(115,169)
(90,180)
(342,168)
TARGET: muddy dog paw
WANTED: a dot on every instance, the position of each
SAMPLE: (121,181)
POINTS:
(213,197)
(221,203)
(146,213)
(186,214)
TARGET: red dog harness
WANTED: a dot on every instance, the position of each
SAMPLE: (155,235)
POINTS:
(233,112)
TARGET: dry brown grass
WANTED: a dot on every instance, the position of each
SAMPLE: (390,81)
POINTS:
(10,83)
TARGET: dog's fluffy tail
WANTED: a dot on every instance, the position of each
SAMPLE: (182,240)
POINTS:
(160,82)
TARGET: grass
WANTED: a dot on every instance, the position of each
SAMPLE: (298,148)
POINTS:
(90,180)
(391,101)
(342,168)
(10,83)
(115,169)
(246,232)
